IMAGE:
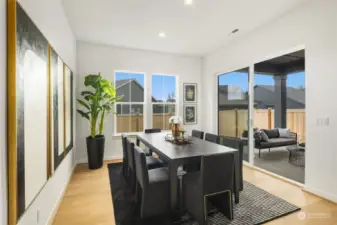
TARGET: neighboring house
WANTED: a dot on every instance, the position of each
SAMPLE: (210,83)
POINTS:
(123,88)
(264,97)
(134,92)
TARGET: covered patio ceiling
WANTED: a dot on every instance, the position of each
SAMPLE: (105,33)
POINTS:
(283,65)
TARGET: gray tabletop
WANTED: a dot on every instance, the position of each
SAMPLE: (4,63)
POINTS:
(196,148)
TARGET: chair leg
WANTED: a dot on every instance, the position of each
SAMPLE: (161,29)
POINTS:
(138,193)
(133,182)
(269,149)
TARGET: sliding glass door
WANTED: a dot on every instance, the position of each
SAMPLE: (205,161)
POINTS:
(233,106)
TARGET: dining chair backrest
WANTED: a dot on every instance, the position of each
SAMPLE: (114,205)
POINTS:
(130,148)
(231,142)
(212,138)
(125,154)
(198,134)
(217,172)
(142,173)
(238,144)
(153,130)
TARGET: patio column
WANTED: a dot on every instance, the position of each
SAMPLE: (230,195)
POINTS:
(280,101)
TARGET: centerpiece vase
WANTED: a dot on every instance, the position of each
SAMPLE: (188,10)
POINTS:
(175,131)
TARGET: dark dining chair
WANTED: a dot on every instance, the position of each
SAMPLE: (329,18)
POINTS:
(198,134)
(238,144)
(148,151)
(125,157)
(151,163)
(153,130)
(153,187)
(214,184)
(212,138)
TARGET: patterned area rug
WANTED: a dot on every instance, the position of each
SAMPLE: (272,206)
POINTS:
(256,206)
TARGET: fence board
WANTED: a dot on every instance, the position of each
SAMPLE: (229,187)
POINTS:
(234,122)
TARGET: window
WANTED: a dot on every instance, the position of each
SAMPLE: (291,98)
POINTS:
(130,108)
(163,100)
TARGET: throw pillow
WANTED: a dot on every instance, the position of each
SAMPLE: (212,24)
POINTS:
(284,133)
(257,136)
(272,133)
(264,136)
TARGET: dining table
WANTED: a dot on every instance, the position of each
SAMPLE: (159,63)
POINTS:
(176,155)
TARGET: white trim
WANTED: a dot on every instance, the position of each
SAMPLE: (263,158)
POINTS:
(59,201)
(319,193)
(251,110)
(106,158)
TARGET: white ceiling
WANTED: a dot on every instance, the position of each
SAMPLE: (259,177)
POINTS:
(195,30)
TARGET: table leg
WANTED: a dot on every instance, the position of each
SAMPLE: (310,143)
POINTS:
(137,142)
(237,177)
(173,167)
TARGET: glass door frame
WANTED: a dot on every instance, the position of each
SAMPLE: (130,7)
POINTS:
(250,121)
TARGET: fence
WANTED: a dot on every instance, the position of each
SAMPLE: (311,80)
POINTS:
(134,123)
(234,122)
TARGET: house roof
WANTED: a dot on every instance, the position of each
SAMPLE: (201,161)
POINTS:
(121,83)
(295,94)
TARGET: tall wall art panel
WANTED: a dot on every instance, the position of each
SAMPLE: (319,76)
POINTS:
(40,111)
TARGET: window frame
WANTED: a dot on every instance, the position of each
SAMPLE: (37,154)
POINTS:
(115,133)
(176,103)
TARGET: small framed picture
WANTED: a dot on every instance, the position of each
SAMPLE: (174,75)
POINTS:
(190,93)
(190,114)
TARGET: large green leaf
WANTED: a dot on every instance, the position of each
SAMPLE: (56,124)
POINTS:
(83,114)
(104,82)
(109,90)
(83,103)
(87,93)
(92,80)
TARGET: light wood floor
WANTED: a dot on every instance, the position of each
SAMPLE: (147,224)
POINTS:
(87,200)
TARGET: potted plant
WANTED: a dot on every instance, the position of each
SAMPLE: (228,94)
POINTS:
(98,102)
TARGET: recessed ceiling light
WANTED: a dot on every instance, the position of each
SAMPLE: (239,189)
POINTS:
(162,34)
(188,2)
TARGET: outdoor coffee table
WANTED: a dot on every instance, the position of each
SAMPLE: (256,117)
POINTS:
(296,155)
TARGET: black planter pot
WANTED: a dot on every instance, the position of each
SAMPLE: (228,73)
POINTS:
(95,149)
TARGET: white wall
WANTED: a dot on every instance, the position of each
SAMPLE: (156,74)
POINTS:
(50,18)
(93,58)
(314,25)
(3,82)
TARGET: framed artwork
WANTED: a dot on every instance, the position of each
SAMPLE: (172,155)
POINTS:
(190,93)
(62,107)
(29,136)
(33,101)
(190,114)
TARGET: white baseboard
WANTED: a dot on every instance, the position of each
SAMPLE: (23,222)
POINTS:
(320,193)
(58,203)
(314,191)
(106,158)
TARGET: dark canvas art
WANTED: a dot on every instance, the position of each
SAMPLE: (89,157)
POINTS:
(190,114)
(31,105)
(190,93)
(60,120)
